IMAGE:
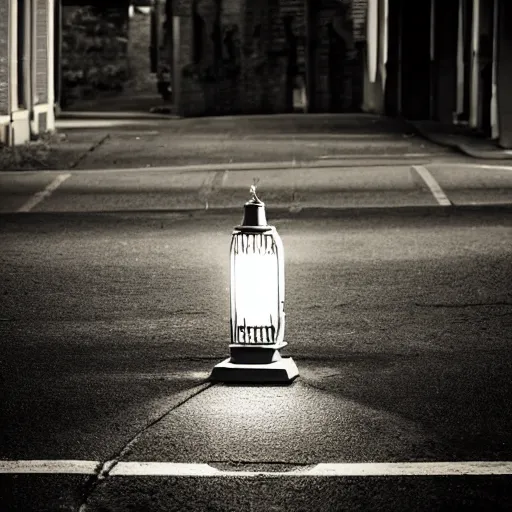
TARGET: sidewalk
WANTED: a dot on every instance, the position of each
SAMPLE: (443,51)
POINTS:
(139,139)
(461,138)
(456,137)
(122,140)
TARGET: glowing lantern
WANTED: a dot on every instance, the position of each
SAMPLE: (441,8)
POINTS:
(257,303)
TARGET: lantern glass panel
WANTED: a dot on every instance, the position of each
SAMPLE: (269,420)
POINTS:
(255,288)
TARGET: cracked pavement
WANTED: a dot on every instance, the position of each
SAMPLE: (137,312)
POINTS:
(112,322)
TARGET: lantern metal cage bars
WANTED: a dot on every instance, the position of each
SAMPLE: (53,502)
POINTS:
(257,288)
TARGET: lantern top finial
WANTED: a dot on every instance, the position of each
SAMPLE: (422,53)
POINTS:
(252,191)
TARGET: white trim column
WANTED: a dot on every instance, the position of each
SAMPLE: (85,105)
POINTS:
(13,56)
(176,63)
(495,131)
(33,49)
(372,38)
(475,72)
(51,64)
(383,41)
(19,122)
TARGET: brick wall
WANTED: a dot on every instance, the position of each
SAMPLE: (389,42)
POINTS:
(41,78)
(4,60)
(263,83)
(359,8)
(140,80)
(207,96)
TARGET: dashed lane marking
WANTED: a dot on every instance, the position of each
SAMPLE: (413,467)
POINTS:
(432,184)
(39,196)
(84,467)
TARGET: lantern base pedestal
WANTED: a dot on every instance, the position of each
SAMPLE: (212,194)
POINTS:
(282,371)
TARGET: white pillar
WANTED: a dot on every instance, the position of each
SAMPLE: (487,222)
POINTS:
(51,64)
(474,86)
(33,49)
(383,41)
(372,38)
(495,131)
(12,88)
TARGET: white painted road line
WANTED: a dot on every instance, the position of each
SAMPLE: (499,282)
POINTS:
(39,196)
(164,469)
(465,468)
(78,467)
(432,184)
(414,469)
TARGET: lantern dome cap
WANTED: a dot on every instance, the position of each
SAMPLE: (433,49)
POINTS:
(254,211)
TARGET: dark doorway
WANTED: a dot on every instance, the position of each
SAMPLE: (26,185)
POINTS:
(415,50)
(337,56)
(392,92)
(486,54)
(445,63)
(504,77)
(291,61)
(467,21)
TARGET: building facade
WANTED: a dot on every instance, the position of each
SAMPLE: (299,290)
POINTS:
(93,50)
(26,69)
(448,61)
(254,56)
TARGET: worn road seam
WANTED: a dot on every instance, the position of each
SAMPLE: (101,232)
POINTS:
(90,150)
(104,470)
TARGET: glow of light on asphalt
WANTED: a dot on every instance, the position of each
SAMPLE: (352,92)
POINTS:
(171,376)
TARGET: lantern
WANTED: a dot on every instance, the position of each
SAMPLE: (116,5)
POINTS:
(257,303)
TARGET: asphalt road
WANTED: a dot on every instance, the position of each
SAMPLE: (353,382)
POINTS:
(399,323)
(332,185)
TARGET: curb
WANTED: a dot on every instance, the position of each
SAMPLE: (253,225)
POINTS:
(498,154)
(85,114)
(291,211)
(348,161)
